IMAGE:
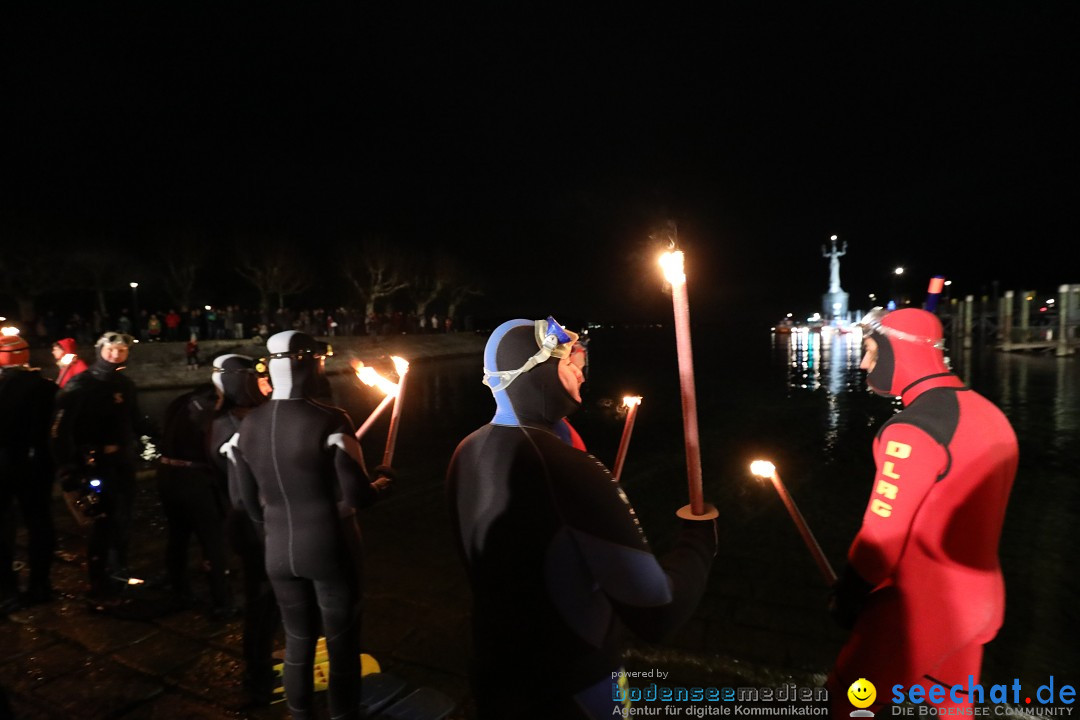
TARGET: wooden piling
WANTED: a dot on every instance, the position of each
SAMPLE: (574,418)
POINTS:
(1007,321)
(969,306)
(1063,347)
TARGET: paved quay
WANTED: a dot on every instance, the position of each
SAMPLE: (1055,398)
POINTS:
(757,627)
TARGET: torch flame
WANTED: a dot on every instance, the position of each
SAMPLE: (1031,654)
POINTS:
(400,364)
(631,400)
(672,263)
(9,331)
(369,377)
(762,468)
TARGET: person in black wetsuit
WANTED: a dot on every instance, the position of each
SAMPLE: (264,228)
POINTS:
(302,479)
(194,498)
(237,381)
(26,473)
(557,561)
(94,435)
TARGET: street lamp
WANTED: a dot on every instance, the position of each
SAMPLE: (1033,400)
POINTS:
(134,300)
(896,274)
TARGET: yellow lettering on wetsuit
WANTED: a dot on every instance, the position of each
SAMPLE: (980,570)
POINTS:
(886,489)
(897,449)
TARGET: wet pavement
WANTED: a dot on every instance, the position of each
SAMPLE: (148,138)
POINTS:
(145,659)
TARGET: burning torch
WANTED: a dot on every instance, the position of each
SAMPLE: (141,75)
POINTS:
(630,402)
(765,469)
(402,367)
(672,263)
(369,377)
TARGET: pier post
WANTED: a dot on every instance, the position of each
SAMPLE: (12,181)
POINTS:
(1007,321)
(1063,348)
(983,326)
(954,320)
(969,306)
(1026,299)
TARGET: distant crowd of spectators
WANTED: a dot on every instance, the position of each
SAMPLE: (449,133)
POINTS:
(233,322)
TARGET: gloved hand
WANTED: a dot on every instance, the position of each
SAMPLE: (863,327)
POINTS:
(704,525)
(384,475)
(847,597)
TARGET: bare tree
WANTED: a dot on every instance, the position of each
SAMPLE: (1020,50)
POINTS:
(461,285)
(426,284)
(101,269)
(29,268)
(375,272)
(274,272)
(183,255)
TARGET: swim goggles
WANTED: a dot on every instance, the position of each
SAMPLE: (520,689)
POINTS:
(114,338)
(554,341)
(872,322)
(243,371)
(262,364)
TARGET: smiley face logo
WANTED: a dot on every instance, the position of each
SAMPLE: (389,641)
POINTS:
(862,693)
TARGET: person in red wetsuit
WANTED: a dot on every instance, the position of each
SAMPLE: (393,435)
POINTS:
(923,590)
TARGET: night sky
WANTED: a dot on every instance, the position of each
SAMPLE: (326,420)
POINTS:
(545,147)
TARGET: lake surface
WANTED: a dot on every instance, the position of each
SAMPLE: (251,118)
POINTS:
(801,402)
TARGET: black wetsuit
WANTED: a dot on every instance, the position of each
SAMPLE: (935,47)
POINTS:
(302,479)
(97,416)
(261,617)
(556,559)
(193,495)
(26,476)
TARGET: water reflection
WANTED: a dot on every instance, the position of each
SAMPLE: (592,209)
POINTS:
(810,354)
(826,361)
(1066,410)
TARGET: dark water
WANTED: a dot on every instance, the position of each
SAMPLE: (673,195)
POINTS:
(801,402)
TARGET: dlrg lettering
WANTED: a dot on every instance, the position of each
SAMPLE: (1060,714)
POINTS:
(886,489)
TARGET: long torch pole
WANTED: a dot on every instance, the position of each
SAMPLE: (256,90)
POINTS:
(768,469)
(631,403)
(374,416)
(673,269)
(395,416)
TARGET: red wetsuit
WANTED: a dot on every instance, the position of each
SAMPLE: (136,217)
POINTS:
(928,544)
(75,367)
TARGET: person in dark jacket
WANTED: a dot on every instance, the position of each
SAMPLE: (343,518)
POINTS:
(95,434)
(194,497)
(557,561)
(302,480)
(923,589)
(26,473)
